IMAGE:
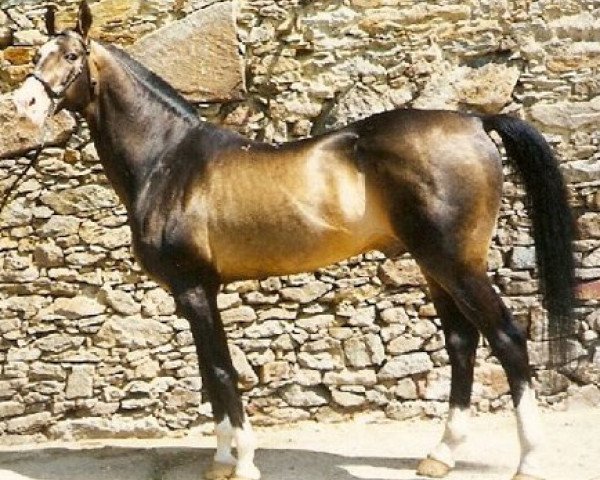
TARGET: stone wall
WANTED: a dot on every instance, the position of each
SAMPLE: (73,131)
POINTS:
(90,347)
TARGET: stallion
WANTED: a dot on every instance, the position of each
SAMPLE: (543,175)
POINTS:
(207,206)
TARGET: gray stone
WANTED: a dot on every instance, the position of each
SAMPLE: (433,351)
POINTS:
(80,382)
(406,389)
(270,328)
(59,342)
(404,365)
(315,323)
(365,378)
(363,317)
(404,410)
(307,378)
(17,213)
(29,423)
(148,369)
(487,89)
(60,226)
(523,258)
(11,409)
(109,238)
(122,302)
(46,371)
(132,332)
(395,315)
(243,314)
(228,300)
(317,361)
(248,377)
(581,171)
(375,348)
(306,293)
(84,199)
(158,302)
(207,39)
(112,427)
(567,115)
(404,344)
(77,307)
(297,396)
(347,399)
(356,352)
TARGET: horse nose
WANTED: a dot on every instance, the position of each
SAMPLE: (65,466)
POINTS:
(32,102)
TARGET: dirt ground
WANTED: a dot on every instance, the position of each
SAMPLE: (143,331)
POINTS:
(351,451)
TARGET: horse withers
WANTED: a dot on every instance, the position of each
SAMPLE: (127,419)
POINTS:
(207,206)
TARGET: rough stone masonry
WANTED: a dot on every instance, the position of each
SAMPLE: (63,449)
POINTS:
(90,347)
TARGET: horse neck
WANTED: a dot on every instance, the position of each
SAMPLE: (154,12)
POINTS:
(132,130)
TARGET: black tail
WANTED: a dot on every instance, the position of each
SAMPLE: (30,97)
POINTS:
(553,225)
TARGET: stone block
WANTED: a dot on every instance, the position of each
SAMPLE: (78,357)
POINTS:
(29,423)
(404,365)
(80,382)
(198,55)
(132,332)
(297,396)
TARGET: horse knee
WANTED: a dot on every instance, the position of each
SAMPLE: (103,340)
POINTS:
(460,343)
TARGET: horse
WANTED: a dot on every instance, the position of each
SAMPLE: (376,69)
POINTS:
(208,206)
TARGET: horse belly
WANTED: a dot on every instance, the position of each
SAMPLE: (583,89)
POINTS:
(292,239)
(290,252)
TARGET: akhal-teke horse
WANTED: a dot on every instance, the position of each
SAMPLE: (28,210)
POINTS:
(207,206)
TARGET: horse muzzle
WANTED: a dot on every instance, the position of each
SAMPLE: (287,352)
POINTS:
(32,101)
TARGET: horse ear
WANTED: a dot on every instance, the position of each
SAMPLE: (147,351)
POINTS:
(84,19)
(50,20)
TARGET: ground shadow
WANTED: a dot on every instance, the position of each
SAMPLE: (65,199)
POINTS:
(187,463)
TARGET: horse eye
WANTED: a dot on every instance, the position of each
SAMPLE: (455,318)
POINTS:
(71,57)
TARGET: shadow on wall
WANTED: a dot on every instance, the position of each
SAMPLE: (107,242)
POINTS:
(122,463)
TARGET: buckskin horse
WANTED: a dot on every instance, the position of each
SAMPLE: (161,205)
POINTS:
(207,206)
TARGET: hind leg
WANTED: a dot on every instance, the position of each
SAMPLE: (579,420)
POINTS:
(461,343)
(198,304)
(477,300)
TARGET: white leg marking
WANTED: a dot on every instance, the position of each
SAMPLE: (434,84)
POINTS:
(530,433)
(454,435)
(246,445)
(224,433)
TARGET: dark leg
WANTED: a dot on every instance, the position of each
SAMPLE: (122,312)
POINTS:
(198,304)
(477,300)
(461,343)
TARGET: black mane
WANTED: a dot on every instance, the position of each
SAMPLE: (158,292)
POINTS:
(160,89)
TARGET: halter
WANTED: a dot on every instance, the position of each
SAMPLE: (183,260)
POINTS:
(73,75)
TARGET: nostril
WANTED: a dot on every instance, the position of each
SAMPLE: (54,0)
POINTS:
(32,102)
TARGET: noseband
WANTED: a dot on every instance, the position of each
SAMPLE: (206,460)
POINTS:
(73,75)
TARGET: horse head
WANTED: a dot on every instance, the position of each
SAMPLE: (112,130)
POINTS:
(61,77)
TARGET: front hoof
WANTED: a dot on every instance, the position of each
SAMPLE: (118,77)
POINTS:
(219,471)
(430,467)
(521,476)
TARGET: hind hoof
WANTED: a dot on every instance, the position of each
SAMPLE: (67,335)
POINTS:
(430,467)
(219,471)
(246,473)
(521,476)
